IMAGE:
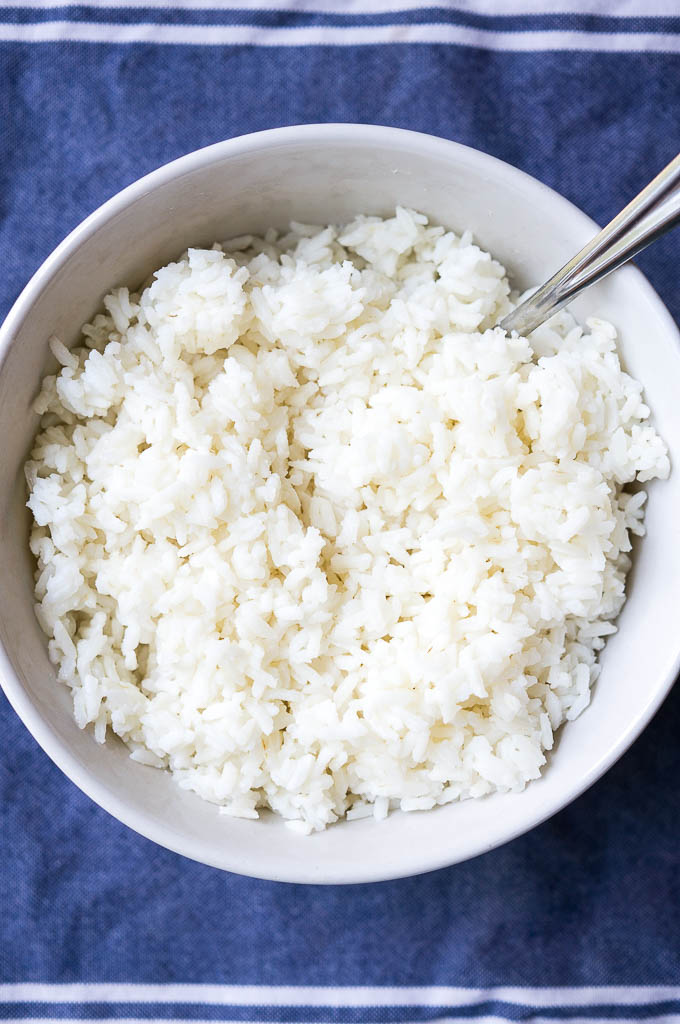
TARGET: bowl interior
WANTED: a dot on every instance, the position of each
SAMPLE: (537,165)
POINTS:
(325,174)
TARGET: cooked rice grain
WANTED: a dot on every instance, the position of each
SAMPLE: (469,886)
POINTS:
(315,536)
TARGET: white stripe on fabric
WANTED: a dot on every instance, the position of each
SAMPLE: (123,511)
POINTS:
(667,1018)
(252,35)
(336,996)
(497,8)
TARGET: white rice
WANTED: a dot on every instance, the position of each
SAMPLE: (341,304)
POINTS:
(314,536)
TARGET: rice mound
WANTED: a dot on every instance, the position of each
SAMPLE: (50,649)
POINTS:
(315,536)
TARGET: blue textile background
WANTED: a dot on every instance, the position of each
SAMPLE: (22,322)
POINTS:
(592,896)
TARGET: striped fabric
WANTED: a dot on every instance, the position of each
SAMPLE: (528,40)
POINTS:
(578,920)
(630,26)
(227,1003)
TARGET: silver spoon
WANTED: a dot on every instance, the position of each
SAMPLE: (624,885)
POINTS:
(653,212)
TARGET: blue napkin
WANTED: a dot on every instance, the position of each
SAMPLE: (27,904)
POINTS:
(577,920)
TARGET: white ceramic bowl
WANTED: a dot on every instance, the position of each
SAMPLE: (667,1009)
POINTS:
(325,173)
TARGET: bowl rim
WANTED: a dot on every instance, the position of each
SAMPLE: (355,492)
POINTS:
(57,750)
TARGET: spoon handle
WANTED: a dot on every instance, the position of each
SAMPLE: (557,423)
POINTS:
(653,212)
